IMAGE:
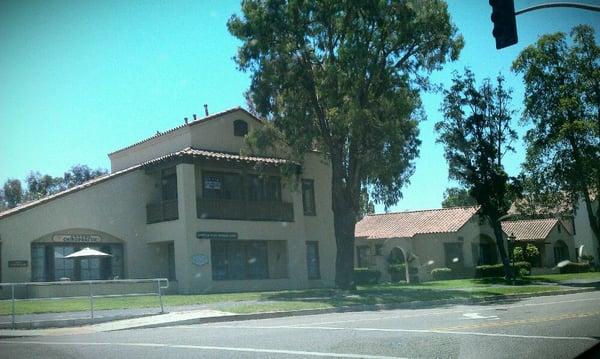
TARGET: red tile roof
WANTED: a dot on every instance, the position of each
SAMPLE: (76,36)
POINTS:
(531,229)
(409,224)
(187,152)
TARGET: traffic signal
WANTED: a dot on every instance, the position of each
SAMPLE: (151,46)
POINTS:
(505,25)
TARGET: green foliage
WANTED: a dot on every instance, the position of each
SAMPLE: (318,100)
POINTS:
(562,103)
(457,197)
(12,193)
(575,268)
(442,274)
(530,253)
(397,268)
(345,78)
(497,270)
(366,276)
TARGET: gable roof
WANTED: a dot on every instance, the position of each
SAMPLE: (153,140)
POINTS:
(187,153)
(531,229)
(189,124)
(409,224)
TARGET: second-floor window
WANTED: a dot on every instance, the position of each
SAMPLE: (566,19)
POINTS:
(169,184)
(240,128)
(237,187)
(308,197)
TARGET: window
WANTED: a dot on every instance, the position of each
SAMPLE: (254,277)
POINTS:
(561,252)
(312,260)
(171,260)
(379,249)
(239,260)
(240,128)
(169,184)
(308,197)
(48,263)
(222,186)
(558,228)
(362,253)
(453,255)
(262,188)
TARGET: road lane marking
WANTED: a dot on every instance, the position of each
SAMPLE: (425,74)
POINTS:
(521,321)
(419,331)
(206,347)
(479,316)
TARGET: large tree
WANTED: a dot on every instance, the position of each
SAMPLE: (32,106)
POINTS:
(12,193)
(344,77)
(476,133)
(562,102)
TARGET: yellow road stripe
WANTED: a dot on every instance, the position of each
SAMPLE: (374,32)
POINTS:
(521,321)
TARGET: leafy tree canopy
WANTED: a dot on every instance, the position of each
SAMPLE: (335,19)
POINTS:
(344,78)
(457,197)
(562,102)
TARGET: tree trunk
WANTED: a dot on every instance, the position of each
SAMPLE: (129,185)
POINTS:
(593,219)
(497,226)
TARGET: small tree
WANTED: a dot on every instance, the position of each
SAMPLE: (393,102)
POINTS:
(13,192)
(456,197)
(477,133)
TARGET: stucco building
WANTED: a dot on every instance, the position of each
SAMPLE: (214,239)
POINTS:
(184,204)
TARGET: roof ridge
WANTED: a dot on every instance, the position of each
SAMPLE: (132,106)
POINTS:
(424,210)
(531,220)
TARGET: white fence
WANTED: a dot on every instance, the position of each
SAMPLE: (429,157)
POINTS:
(84,289)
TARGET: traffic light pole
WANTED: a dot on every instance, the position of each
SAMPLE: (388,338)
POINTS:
(559,4)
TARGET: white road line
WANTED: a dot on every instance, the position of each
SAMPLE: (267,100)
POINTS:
(206,347)
(421,331)
(441,312)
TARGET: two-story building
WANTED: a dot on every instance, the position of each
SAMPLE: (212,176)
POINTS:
(183,204)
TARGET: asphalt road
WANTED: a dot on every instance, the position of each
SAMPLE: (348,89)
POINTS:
(543,327)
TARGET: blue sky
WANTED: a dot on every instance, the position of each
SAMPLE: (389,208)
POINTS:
(80,79)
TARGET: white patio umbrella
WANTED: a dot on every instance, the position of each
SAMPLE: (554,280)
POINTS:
(87,252)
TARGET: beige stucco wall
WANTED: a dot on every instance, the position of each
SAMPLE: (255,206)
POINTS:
(118,207)
(547,253)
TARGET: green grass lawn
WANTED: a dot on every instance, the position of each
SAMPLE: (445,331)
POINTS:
(252,302)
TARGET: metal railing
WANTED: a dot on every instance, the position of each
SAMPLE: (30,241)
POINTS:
(245,210)
(90,292)
(162,211)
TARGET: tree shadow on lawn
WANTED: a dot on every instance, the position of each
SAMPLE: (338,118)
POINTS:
(380,295)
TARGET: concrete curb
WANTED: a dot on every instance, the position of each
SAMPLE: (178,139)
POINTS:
(363,308)
(67,323)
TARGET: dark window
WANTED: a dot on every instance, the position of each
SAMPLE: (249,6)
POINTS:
(558,228)
(453,255)
(379,249)
(239,260)
(262,188)
(240,128)
(362,253)
(222,186)
(573,225)
(169,184)
(171,260)
(312,260)
(561,252)
(308,197)
(48,263)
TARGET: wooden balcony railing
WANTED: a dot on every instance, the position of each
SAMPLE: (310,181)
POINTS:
(245,210)
(162,211)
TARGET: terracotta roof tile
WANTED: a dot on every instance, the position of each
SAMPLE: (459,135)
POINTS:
(408,224)
(531,229)
(187,152)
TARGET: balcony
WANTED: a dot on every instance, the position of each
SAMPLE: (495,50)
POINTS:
(245,210)
(162,211)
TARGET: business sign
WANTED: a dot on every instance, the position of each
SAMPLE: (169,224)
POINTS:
(199,259)
(211,182)
(76,238)
(17,264)
(216,235)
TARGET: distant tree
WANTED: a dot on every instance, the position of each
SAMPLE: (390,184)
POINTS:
(39,185)
(562,102)
(13,192)
(476,133)
(366,205)
(79,174)
(456,197)
(345,77)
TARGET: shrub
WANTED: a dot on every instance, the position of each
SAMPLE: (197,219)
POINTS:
(441,274)
(366,276)
(575,268)
(397,268)
(497,270)
(529,253)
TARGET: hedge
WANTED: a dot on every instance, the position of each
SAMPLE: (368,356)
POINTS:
(575,268)
(366,276)
(442,274)
(497,270)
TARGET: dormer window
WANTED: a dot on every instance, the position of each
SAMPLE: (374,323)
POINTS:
(240,128)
